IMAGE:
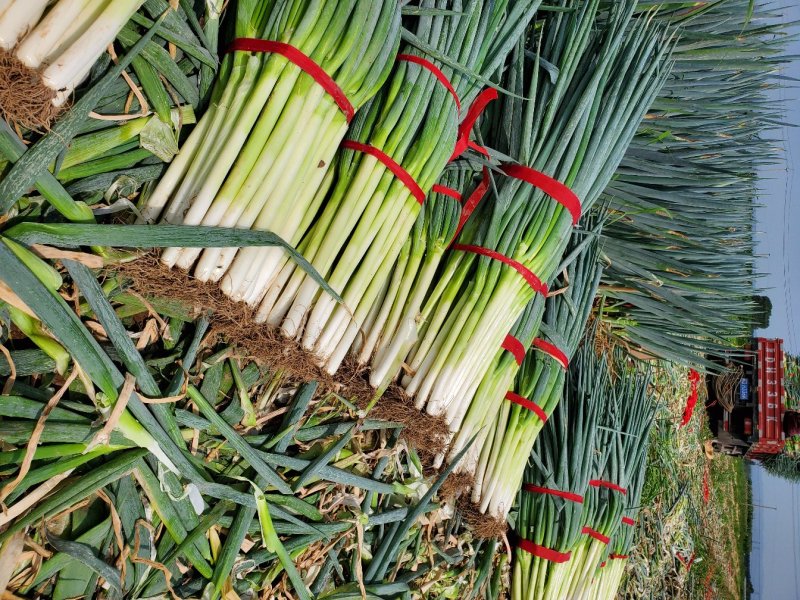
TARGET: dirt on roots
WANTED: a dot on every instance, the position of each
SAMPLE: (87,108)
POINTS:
(24,99)
(234,322)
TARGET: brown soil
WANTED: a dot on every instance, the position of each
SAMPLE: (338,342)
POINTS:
(234,322)
(24,100)
(482,526)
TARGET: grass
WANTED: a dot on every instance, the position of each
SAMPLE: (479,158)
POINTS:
(689,548)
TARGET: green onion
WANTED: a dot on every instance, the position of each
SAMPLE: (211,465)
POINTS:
(370,214)
(260,154)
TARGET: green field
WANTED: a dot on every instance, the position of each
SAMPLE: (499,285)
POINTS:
(690,548)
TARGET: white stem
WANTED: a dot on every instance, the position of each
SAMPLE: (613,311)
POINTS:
(70,67)
(18,20)
(60,27)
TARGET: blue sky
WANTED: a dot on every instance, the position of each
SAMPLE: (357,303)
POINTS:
(775,558)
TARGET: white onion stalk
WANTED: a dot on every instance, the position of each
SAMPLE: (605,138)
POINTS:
(63,41)
(262,152)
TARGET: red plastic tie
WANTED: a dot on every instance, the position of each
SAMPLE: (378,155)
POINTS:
(525,403)
(535,489)
(537,284)
(463,142)
(398,171)
(542,552)
(609,485)
(472,202)
(552,187)
(596,535)
(443,189)
(513,345)
(691,401)
(619,557)
(553,351)
(628,521)
(305,63)
(436,71)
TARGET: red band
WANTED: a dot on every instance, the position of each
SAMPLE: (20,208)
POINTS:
(602,566)
(537,284)
(542,552)
(513,345)
(474,112)
(436,71)
(294,55)
(472,202)
(628,521)
(609,485)
(535,489)
(596,535)
(525,403)
(441,189)
(398,171)
(618,556)
(552,187)
(552,350)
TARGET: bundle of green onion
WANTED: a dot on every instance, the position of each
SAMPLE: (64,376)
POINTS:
(261,155)
(393,318)
(413,123)
(623,440)
(574,129)
(552,502)
(59,42)
(513,421)
(607,581)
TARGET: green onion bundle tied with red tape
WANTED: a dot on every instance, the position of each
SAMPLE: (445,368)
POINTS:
(288,88)
(396,151)
(512,424)
(569,136)
(552,501)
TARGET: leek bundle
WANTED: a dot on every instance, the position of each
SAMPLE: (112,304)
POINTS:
(512,426)
(624,439)
(414,123)
(48,48)
(609,578)
(552,502)
(260,156)
(574,130)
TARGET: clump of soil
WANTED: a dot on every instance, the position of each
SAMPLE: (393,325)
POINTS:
(482,526)
(24,100)
(235,323)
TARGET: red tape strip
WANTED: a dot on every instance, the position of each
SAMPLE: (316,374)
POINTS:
(619,556)
(442,189)
(525,403)
(542,552)
(609,485)
(437,72)
(628,521)
(596,535)
(535,489)
(472,202)
(474,112)
(537,284)
(398,171)
(301,60)
(513,345)
(553,351)
(552,187)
